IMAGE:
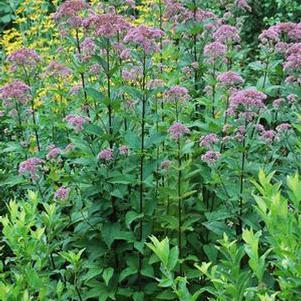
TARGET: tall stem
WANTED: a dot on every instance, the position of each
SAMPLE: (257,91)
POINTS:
(109,94)
(241,188)
(82,76)
(142,160)
(35,127)
(179,205)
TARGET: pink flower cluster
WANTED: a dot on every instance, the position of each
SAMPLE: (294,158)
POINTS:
(30,166)
(55,69)
(106,155)
(62,193)
(247,99)
(24,57)
(106,25)
(208,140)
(226,34)
(123,150)
(88,48)
(70,12)
(215,51)
(53,152)
(177,94)
(211,157)
(283,127)
(177,130)
(293,58)
(178,13)
(230,79)
(274,33)
(145,37)
(76,121)
(15,91)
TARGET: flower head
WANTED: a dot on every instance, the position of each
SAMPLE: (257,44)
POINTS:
(62,193)
(215,51)
(76,121)
(230,79)
(24,57)
(123,150)
(70,11)
(15,91)
(53,152)
(177,94)
(208,140)
(246,99)
(226,34)
(106,25)
(211,157)
(30,166)
(105,154)
(144,36)
(177,130)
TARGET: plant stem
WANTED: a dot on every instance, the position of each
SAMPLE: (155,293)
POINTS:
(142,163)
(109,94)
(179,205)
(82,76)
(241,188)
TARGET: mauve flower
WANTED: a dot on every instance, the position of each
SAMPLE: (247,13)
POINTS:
(177,130)
(88,49)
(53,152)
(246,99)
(283,127)
(62,193)
(269,136)
(177,94)
(293,58)
(15,91)
(277,102)
(95,69)
(107,25)
(230,78)
(55,69)
(295,32)
(260,128)
(132,74)
(125,54)
(269,35)
(211,157)
(145,37)
(208,140)
(71,11)
(24,57)
(186,70)
(292,98)
(75,89)
(155,83)
(105,154)
(76,121)
(215,50)
(165,164)
(226,34)
(123,150)
(30,166)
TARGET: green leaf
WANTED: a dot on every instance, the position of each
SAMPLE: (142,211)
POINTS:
(132,216)
(107,275)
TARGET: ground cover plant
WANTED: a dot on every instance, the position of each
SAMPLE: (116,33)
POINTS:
(150,150)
